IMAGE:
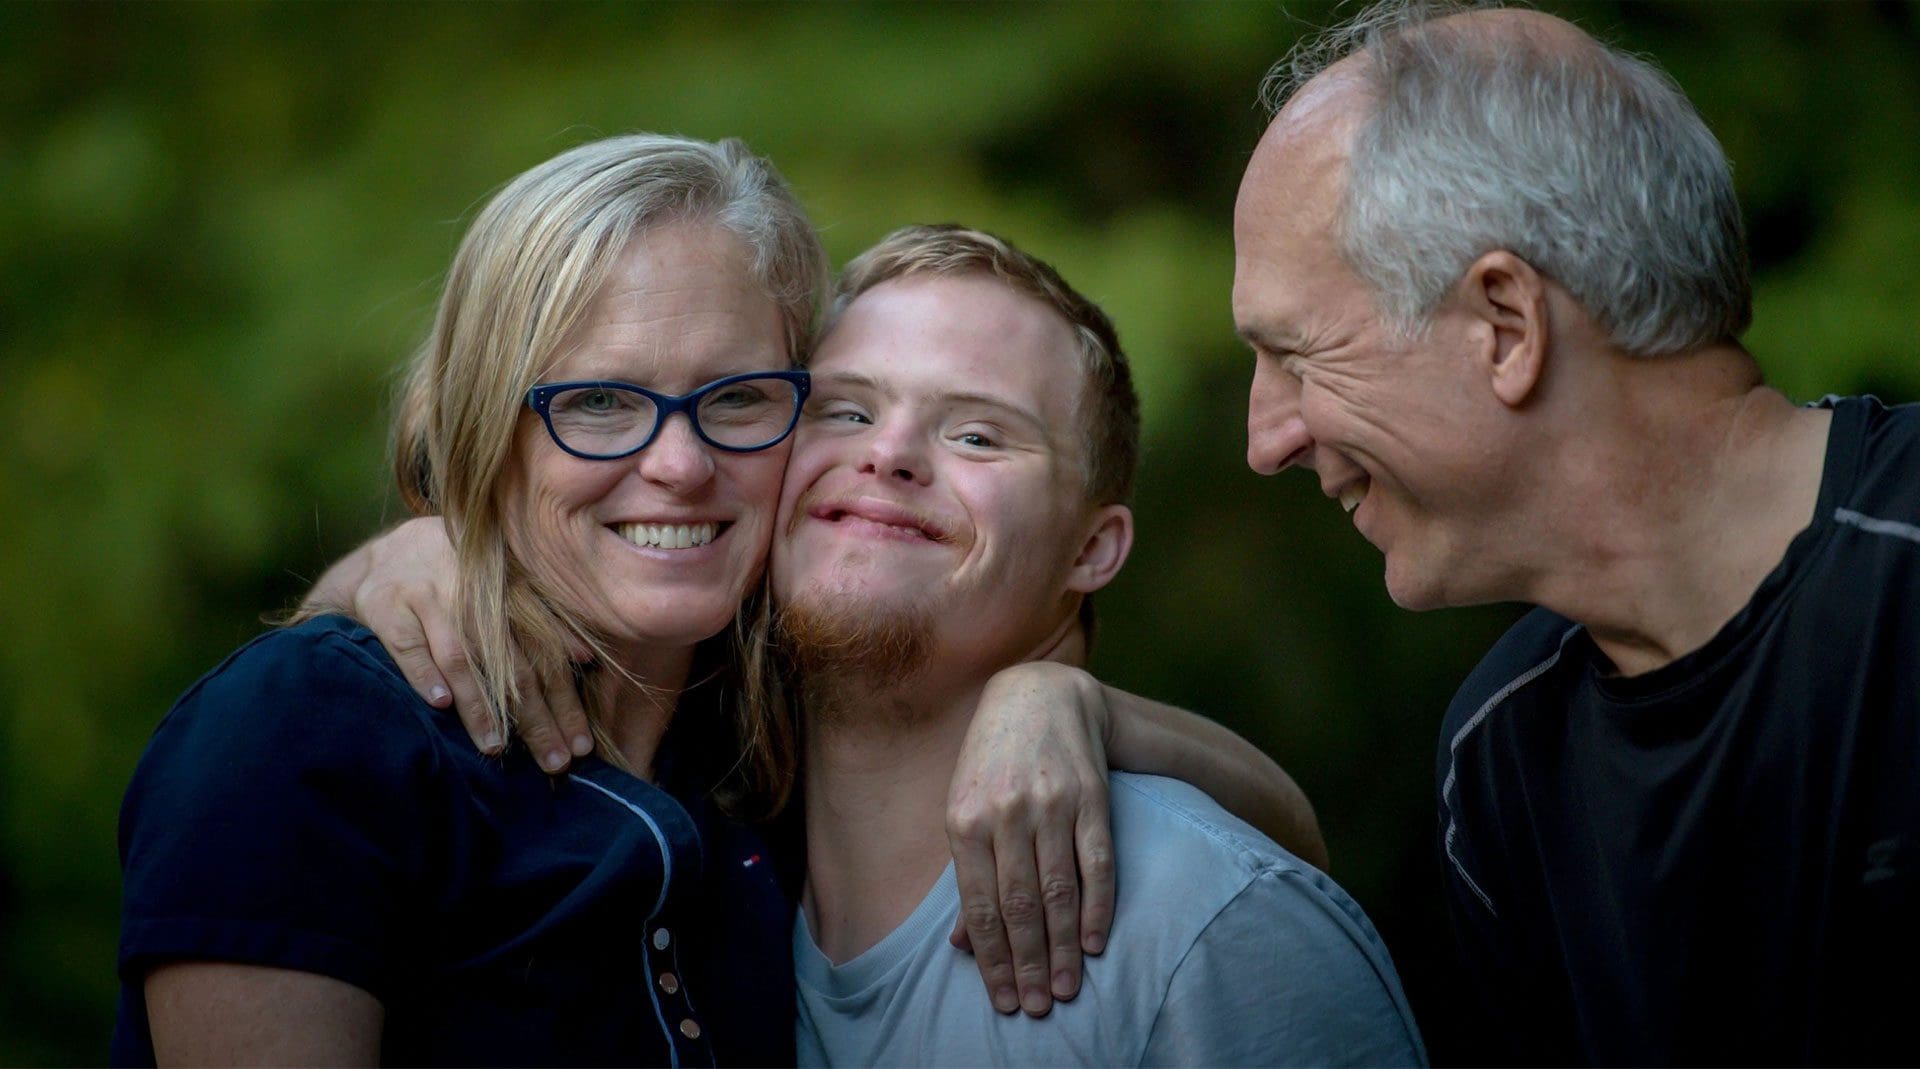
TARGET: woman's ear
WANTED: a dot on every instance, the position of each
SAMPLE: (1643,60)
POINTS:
(1510,297)
(1108,541)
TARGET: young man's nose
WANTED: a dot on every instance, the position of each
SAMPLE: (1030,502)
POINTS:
(898,453)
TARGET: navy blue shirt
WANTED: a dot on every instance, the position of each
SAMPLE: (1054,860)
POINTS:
(1717,861)
(302,808)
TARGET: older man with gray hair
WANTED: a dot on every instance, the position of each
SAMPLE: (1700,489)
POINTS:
(1494,275)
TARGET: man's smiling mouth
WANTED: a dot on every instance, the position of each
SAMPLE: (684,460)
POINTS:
(905,530)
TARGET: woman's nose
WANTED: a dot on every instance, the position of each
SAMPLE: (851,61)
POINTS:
(677,458)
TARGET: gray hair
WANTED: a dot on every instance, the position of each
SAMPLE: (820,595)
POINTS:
(1591,165)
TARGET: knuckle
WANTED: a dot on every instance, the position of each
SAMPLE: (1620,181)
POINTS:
(1032,973)
(969,825)
(410,646)
(982,918)
(1052,801)
(1020,907)
(1097,864)
(1060,891)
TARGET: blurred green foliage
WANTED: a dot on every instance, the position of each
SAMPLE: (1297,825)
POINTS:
(223,226)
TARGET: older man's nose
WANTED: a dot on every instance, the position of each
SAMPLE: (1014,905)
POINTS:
(676,458)
(1271,451)
(1277,438)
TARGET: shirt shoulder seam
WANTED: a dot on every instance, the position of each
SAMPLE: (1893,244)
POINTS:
(1450,784)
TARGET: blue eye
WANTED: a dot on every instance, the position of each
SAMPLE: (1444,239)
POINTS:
(976,439)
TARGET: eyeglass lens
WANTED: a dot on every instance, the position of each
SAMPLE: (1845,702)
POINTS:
(604,421)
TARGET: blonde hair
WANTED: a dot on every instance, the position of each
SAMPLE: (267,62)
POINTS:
(525,273)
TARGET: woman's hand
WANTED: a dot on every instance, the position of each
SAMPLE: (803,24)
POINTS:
(1032,845)
(401,585)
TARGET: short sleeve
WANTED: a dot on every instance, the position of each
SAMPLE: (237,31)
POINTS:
(1285,974)
(281,814)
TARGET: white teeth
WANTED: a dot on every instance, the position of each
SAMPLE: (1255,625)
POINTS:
(1353,494)
(669,536)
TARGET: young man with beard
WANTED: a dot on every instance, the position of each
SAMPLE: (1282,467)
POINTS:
(955,497)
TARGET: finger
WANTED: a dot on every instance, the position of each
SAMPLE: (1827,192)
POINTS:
(405,638)
(973,870)
(958,937)
(534,722)
(450,657)
(1060,903)
(1024,919)
(1093,841)
(569,714)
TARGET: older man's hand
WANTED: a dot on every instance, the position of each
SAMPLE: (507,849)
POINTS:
(1028,822)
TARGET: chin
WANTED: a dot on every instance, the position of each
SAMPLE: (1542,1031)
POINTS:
(672,625)
(844,594)
(1412,590)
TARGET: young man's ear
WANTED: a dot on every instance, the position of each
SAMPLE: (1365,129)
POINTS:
(1506,294)
(1108,541)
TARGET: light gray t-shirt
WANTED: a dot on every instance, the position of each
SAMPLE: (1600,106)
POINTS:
(1225,950)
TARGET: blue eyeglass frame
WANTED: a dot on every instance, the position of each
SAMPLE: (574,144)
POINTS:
(540,399)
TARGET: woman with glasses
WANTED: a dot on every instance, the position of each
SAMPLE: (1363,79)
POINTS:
(321,869)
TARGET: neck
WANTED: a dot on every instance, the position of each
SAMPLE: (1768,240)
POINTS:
(1700,500)
(638,702)
(879,757)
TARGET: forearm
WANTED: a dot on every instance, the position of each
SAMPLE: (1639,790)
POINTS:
(216,1013)
(1148,736)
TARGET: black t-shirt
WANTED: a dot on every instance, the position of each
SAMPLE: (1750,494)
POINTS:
(302,808)
(1719,860)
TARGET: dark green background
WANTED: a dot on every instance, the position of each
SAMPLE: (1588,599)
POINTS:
(223,225)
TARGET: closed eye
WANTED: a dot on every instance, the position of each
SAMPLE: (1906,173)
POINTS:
(838,413)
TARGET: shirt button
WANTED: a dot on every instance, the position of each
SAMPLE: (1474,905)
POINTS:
(690,1028)
(669,982)
(660,938)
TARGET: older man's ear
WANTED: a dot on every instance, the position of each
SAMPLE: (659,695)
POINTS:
(1509,302)
(1104,550)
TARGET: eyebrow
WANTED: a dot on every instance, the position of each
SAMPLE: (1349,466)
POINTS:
(950,397)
